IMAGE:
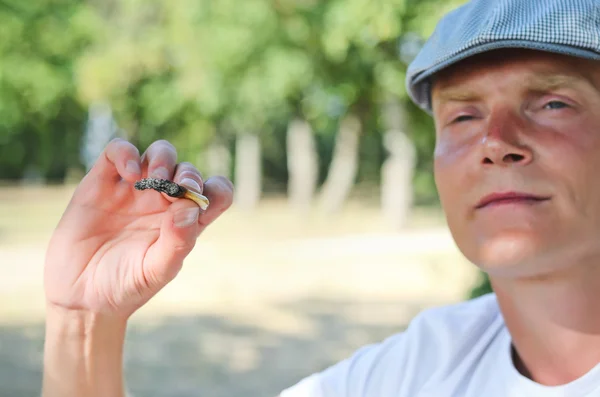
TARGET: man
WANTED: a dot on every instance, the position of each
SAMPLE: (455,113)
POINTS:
(514,88)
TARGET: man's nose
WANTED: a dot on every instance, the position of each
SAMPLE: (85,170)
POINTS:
(502,142)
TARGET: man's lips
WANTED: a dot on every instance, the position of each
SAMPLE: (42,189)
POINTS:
(509,198)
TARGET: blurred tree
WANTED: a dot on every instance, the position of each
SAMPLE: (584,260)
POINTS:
(303,165)
(40,121)
(100,130)
(398,168)
(350,46)
(343,166)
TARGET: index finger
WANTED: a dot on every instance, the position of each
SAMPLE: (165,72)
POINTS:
(160,159)
(120,159)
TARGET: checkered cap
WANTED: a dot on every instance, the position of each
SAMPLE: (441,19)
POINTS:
(570,27)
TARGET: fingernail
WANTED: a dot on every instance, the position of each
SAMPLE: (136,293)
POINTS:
(160,173)
(191,184)
(186,217)
(133,167)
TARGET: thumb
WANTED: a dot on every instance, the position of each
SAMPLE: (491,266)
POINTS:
(178,234)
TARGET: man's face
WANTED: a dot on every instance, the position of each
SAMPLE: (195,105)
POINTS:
(526,123)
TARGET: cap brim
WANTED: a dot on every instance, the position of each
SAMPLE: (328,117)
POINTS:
(420,86)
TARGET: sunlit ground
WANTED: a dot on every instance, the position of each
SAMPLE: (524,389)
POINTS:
(265,299)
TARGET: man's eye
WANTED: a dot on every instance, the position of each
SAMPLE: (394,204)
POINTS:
(553,105)
(464,117)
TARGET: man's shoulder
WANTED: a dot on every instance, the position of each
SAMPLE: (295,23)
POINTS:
(435,341)
(475,314)
(444,334)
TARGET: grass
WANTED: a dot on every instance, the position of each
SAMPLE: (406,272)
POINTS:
(29,214)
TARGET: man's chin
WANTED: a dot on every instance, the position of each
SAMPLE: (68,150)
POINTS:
(509,255)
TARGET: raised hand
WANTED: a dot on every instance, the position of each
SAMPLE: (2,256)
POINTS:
(115,247)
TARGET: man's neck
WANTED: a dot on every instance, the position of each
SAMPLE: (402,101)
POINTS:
(554,323)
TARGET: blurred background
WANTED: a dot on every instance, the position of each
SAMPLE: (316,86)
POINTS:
(336,238)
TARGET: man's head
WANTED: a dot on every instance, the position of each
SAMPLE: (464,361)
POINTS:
(526,122)
(514,89)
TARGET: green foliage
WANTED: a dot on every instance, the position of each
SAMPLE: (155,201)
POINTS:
(40,121)
(196,70)
(482,287)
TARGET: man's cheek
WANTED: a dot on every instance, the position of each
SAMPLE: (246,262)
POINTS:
(451,151)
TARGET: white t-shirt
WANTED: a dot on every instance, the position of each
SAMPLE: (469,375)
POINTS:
(460,350)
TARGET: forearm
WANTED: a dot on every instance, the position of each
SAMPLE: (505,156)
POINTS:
(83,354)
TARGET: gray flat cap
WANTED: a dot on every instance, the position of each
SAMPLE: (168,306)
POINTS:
(570,27)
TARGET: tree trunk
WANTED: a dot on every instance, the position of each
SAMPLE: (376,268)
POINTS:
(100,130)
(217,160)
(398,169)
(303,165)
(343,167)
(247,171)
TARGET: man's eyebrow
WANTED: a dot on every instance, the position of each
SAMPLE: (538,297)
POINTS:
(536,83)
(457,94)
(542,83)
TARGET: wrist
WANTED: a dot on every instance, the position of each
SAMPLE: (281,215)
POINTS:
(80,324)
(83,353)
